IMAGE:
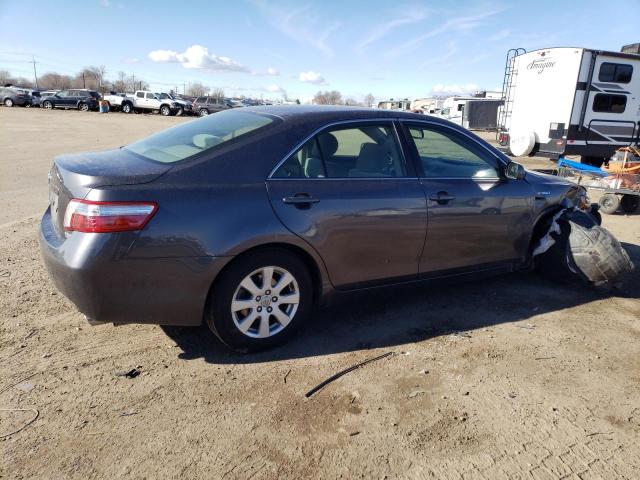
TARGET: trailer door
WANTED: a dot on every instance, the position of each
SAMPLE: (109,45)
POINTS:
(613,108)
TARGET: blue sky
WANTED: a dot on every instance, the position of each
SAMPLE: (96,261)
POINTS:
(258,47)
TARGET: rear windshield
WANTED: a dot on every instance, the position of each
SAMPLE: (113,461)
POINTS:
(196,136)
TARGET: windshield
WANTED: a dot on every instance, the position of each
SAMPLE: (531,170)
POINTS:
(191,138)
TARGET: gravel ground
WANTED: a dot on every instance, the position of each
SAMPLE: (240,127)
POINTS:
(513,377)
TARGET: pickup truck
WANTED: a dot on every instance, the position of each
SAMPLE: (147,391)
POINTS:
(142,101)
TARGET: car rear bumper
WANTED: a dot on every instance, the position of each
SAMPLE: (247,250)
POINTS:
(95,273)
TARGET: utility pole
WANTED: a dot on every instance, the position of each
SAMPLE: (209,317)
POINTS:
(35,75)
(84,82)
(184,88)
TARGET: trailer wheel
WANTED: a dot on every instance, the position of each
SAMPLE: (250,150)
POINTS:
(609,203)
(630,203)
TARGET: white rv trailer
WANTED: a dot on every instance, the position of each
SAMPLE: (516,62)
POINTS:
(477,113)
(570,101)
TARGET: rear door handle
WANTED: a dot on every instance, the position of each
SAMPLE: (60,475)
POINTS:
(300,199)
(442,198)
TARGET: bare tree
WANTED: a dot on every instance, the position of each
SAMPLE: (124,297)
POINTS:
(5,77)
(328,98)
(217,93)
(54,81)
(196,89)
(120,85)
(369,100)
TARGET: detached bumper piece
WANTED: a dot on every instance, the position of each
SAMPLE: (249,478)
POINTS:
(576,247)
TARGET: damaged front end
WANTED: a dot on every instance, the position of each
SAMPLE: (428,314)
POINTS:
(576,246)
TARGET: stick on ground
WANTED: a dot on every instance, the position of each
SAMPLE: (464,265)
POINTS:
(344,372)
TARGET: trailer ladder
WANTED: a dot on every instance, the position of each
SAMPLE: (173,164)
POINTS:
(504,112)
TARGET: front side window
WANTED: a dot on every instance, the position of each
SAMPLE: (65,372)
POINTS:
(604,102)
(367,151)
(63,93)
(191,138)
(140,94)
(201,99)
(446,154)
(615,72)
(151,95)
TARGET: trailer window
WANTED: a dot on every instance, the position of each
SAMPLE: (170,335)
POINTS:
(603,102)
(615,72)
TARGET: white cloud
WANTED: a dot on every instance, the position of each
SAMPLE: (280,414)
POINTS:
(197,57)
(454,25)
(274,88)
(131,61)
(303,25)
(500,35)
(311,77)
(273,72)
(454,89)
(105,3)
(387,27)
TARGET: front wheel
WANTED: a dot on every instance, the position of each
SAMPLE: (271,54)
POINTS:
(179,112)
(8,102)
(126,108)
(165,111)
(83,107)
(48,105)
(260,300)
(203,112)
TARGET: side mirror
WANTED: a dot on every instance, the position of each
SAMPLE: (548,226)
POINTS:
(515,171)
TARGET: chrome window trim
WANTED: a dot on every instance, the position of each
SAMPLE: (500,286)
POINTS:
(500,161)
(390,120)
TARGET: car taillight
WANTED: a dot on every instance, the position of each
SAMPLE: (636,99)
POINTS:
(105,217)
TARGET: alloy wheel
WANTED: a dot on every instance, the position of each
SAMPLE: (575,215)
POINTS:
(265,302)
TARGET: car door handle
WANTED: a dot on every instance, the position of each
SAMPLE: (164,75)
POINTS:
(300,199)
(442,198)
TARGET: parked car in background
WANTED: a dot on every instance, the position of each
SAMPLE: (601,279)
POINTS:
(233,103)
(168,230)
(80,99)
(207,105)
(115,99)
(10,97)
(143,100)
(36,98)
(185,107)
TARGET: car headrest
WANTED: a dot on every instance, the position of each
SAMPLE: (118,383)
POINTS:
(328,144)
(372,158)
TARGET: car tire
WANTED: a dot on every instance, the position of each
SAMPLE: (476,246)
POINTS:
(126,107)
(203,112)
(8,102)
(268,319)
(165,111)
(179,112)
(48,105)
(609,203)
(630,203)
(83,107)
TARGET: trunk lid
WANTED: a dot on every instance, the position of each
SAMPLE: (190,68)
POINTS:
(73,176)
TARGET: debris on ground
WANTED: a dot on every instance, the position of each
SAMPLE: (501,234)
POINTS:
(133,373)
(323,384)
(36,415)
(415,393)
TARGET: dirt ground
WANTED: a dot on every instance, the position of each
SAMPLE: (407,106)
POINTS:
(513,377)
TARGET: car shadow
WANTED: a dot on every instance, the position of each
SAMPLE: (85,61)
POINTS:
(396,317)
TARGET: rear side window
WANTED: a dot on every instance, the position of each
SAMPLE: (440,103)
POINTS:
(604,102)
(191,138)
(615,72)
(445,154)
(140,94)
(367,151)
(200,99)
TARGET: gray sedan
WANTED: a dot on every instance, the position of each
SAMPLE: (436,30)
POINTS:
(247,218)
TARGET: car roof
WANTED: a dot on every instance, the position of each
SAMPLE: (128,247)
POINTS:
(331,113)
